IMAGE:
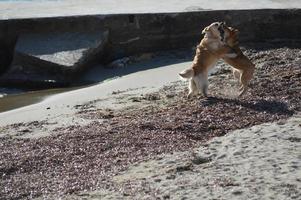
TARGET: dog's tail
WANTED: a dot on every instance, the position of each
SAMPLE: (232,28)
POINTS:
(187,73)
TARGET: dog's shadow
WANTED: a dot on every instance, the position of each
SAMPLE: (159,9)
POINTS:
(259,105)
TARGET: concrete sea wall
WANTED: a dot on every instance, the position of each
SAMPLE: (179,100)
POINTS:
(126,34)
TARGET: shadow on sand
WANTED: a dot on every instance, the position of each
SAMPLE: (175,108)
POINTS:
(101,73)
(260,105)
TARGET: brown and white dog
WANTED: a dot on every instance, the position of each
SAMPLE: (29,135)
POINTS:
(243,68)
(211,48)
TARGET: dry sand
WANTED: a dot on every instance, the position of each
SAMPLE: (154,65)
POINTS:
(261,162)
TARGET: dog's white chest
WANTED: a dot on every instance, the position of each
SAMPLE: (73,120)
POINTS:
(214,46)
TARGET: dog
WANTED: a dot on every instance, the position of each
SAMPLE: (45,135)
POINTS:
(243,68)
(211,48)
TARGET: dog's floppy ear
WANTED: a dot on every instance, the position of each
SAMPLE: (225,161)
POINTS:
(205,30)
(235,31)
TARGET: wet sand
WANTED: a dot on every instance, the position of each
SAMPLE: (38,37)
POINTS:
(152,118)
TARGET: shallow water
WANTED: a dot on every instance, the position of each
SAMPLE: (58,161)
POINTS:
(14,98)
(9,91)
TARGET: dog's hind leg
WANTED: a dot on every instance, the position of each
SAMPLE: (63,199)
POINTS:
(205,85)
(201,81)
(242,90)
(236,74)
(192,88)
(245,78)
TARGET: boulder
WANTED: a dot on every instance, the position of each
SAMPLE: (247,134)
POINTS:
(59,52)
(53,59)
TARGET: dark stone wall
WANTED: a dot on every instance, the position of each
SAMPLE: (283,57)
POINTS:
(7,44)
(137,33)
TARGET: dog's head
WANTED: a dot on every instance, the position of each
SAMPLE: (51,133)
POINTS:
(230,35)
(213,30)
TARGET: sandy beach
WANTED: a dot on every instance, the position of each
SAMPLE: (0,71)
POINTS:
(261,162)
(138,137)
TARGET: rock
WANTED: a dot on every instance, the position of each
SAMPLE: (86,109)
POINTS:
(52,58)
(158,180)
(25,130)
(5,59)
(170,95)
(184,167)
(151,97)
(198,160)
(143,57)
(68,50)
(171,176)
(123,62)
(237,192)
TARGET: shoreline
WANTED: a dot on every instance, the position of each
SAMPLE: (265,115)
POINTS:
(45,9)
